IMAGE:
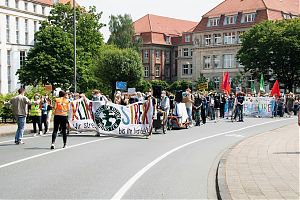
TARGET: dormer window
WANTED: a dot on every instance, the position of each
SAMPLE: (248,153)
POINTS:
(286,16)
(168,39)
(187,38)
(213,22)
(230,19)
(248,17)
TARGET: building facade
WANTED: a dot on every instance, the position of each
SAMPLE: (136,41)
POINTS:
(217,38)
(160,39)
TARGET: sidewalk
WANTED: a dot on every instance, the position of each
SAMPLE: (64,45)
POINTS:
(265,166)
(10,129)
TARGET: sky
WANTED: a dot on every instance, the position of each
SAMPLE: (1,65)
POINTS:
(187,9)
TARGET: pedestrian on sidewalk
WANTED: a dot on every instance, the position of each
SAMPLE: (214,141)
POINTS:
(36,114)
(61,109)
(19,107)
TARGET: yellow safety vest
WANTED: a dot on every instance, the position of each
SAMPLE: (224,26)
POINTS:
(35,109)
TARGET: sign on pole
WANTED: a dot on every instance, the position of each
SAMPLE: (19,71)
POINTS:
(203,86)
(121,86)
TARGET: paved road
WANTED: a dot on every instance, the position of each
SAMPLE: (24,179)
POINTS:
(180,164)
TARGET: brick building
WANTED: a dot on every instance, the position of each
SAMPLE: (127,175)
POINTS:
(160,38)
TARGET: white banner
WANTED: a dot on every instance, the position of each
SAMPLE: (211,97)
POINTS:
(259,106)
(134,119)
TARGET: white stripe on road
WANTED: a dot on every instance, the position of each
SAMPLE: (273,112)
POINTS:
(51,152)
(122,191)
(26,138)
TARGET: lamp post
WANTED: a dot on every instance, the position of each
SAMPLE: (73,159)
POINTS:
(75,67)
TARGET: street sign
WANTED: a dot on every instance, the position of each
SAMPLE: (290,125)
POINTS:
(203,86)
(121,86)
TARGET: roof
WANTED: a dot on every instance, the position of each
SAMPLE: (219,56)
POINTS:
(153,28)
(51,2)
(47,2)
(160,24)
(234,6)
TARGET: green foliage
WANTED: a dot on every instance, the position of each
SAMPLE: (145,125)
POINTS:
(159,83)
(211,85)
(122,32)
(144,86)
(180,85)
(119,65)
(5,110)
(53,53)
(275,46)
(201,79)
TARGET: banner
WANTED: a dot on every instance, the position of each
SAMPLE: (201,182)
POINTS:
(134,119)
(259,106)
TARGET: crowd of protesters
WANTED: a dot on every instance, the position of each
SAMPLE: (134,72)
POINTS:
(200,107)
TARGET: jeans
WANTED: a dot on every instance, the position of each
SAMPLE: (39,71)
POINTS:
(189,112)
(60,121)
(45,122)
(212,113)
(21,121)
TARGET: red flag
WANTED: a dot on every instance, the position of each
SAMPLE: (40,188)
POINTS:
(225,84)
(275,89)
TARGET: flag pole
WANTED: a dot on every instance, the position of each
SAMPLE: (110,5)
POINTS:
(75,67)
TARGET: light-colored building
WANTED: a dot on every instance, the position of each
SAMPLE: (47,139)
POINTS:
(19,20)
(217,38)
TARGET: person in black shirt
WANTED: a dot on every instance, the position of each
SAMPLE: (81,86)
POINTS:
(240,101)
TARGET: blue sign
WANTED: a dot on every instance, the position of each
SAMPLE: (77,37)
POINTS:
(121,85)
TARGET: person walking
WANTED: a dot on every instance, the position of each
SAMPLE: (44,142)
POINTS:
(189,101)
(203,109)
(44,108)
(212,107)
(240,100)
(19,108)
(222,106)
(36,114)
(61,109)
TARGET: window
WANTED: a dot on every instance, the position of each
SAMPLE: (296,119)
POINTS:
(229,38)
(146,71)
(168,39)
(34,8)
(206,62)
(185,52)
(7,30)
(249,17)
(9,78)
(157,71)
(217,82)
(230,20)
(43,10)
(22,58)
(228,60)
(7,3)
(17,31)
(157,53)
(35,26)
(26,31)
(187,38)
(146,54)
(239,34)
(191,52)
(216,61)
(185,69)
(213,22)
(17,4)
(217,39)
(191,69)
(207,39)
(8,58)
(167,57)
(26,6)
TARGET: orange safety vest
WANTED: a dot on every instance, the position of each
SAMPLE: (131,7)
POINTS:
(61,106)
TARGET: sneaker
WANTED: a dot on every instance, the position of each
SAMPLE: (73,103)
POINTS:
(41,132)
(34,135)
(65,146)
(21,142)
(52,146)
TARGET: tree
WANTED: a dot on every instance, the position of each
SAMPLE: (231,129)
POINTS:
(180,85)
(119,65)
(53,53)
(50,61)
(122,32)
(273,48)
(159,83)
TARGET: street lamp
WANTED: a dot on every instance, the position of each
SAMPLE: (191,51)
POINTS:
(75,67)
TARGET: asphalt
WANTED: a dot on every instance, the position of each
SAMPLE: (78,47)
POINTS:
(179,164)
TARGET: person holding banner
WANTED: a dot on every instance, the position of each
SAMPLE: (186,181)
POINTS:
(61,109)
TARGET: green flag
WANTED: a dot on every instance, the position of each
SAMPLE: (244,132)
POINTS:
(262,83)
(253,87)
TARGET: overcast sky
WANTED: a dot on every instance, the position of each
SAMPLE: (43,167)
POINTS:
(187,9)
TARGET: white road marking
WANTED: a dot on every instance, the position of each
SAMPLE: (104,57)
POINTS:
(51,152)
(26,138)
(122,191)
(234,135)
